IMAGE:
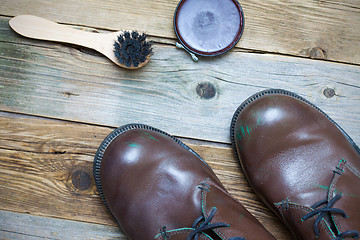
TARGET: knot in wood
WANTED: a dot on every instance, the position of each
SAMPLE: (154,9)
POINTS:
(317,53)
(329,92)
(81,180)
(206,90)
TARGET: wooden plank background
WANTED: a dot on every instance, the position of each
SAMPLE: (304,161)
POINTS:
(31,227)
(317,28)
(58,102)
(61,81)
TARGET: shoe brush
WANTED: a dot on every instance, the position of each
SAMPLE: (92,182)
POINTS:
(128,49)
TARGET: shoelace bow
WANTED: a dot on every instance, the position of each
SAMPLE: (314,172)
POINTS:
(201,224)
(206,226)
(329,209)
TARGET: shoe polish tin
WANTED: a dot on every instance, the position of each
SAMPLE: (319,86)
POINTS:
(208,27)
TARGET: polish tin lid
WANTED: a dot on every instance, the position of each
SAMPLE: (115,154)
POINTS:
(208,27)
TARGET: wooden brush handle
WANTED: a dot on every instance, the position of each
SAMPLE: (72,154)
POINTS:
(40,28)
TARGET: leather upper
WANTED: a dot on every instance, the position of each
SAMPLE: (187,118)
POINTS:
(156,188)
(294,156)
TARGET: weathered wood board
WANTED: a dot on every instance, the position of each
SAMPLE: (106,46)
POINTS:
(194,100)
(28,227)
(46,170)
(58,102)
(326,29)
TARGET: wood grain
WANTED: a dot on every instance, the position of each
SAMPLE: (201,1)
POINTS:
(28,227)
(46,170)
(325,29)
(58,101)
(193,100)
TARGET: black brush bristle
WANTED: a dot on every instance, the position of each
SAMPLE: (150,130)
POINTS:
(131,49)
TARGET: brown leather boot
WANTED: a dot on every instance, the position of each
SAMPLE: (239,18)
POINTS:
(300,163)
(158,188)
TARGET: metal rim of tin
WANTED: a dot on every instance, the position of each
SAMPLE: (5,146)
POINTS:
(214,53)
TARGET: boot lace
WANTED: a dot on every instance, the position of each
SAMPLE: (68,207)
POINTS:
(326,210)
(201,224)
(206,226)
